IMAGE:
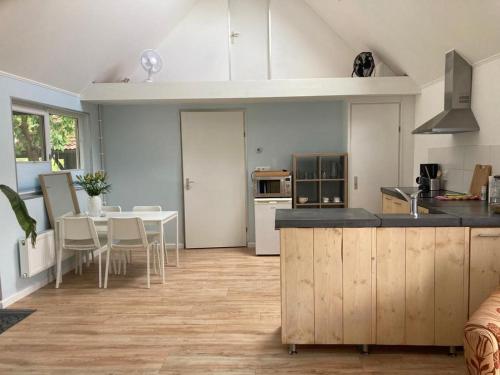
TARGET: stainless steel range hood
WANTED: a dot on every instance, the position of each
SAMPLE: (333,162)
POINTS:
(457,116)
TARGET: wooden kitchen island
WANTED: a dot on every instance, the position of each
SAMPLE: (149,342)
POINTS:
(351,277)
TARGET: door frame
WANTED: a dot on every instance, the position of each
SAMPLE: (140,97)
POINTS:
(244,159)
(405,138)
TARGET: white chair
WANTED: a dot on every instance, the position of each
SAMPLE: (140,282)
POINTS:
(158,208)
(102,230)
(127,234)
(153,233)
(78,234)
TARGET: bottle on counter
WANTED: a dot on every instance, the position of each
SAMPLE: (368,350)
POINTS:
(483,192)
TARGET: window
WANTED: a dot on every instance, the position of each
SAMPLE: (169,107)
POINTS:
(29,137)
(44,140)
(64,142)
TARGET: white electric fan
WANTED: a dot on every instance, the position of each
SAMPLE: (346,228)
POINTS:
(151,62)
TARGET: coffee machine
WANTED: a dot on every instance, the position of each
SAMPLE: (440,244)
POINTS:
(428,179)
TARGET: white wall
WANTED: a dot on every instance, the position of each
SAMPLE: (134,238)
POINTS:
(11,282)
(303,45)
(197,48)
(458,147)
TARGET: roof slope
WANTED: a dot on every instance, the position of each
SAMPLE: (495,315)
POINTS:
(69,44)
(413,36)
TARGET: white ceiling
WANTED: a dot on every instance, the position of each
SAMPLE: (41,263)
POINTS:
(412,36)
(69,44)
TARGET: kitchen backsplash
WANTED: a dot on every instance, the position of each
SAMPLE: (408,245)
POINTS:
(458,162)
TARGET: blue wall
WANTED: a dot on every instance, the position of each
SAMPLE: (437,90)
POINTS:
(143,151)
(10,280)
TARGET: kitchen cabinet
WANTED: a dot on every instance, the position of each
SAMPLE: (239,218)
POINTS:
(393,205)
(297,286)
(326,285)
(484,264)
(421,285)
(387,286)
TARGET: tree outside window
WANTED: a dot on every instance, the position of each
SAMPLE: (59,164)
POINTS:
(29,137)
(64,142)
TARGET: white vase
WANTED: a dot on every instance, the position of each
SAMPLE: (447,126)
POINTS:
(95,206)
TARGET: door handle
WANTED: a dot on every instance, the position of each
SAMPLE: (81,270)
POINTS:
(188,183)
(488,235)
(355,182)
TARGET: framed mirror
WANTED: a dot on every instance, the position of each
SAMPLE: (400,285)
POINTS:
(59,195)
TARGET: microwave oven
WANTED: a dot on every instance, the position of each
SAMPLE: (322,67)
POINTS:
(272,184)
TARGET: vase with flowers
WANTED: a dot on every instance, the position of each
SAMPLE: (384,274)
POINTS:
(94,184)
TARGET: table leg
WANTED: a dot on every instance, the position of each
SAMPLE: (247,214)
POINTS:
(162,251)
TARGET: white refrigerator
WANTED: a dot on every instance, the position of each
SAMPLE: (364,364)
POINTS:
(267,239)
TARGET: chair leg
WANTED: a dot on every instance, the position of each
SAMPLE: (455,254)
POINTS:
(88,255)
(165,251)
(100,274)
(154,259)
(124,263)
(59,272)
(106,274)
(147,266)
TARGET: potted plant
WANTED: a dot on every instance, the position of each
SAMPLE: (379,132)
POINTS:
(26,222)
(94,184)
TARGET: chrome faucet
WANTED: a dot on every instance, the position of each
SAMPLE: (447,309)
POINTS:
(412,200)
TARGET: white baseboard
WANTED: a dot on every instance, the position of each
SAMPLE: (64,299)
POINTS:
(26,291)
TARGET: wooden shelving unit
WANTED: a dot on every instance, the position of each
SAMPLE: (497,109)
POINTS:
(319,175)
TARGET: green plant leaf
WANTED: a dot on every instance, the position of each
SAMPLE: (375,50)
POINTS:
(27,223)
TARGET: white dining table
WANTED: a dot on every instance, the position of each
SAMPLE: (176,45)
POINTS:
(159,218)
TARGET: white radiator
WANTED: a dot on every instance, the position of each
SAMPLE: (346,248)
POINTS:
(39,258)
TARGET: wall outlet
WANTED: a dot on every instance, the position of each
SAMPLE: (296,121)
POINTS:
(262,168)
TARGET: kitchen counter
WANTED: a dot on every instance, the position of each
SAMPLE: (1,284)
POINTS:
(470,213)
(357,218)
(326,218)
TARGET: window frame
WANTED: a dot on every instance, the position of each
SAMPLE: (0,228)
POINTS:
(46,112)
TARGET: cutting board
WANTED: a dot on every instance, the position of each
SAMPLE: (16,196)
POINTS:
(479,178)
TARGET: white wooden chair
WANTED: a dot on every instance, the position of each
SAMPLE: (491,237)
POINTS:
(102,230)
(153,233)
(127,234)
(78,234)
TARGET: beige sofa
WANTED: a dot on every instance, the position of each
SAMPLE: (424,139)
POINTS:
(482,337)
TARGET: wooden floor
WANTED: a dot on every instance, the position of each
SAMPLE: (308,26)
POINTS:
(218,314)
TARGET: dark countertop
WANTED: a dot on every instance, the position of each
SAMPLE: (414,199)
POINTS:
(423,220)
(325,218)
(470,213)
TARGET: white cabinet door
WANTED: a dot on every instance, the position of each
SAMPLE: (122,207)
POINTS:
(267,239)
(249,39)
(373,152)
(213,162)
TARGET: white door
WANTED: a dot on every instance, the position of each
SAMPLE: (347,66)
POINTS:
(213,162)
(373,152)
(249,39)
